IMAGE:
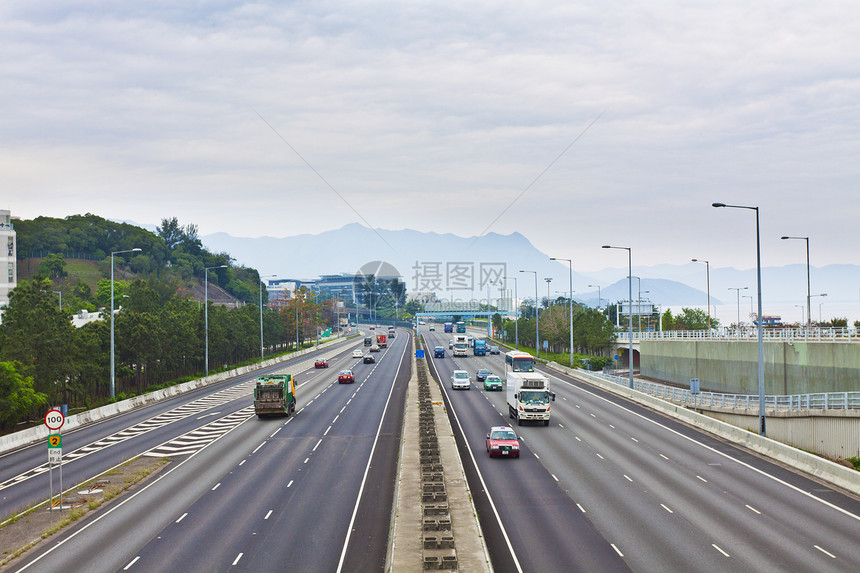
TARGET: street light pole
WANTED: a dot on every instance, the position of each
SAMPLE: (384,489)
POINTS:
(808,295)
(516,313)
(819,308)
(801,307)
(708,278)
(537,329)
(598,294)
(570,265)
(206,309)
(630,298)
(738,291)
(639,308)
(112,357)
(762,421)
(262,356)
(548,280)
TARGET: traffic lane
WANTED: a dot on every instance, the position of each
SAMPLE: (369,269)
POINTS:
(98,457)
(691,484)
(132,520)
(369,544)
(88,460)
(692,440)
(14,462)
(320,474)
(547,530)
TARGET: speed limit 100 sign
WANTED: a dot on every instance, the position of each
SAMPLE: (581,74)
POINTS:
(54,419)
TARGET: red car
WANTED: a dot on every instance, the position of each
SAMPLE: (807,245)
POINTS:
(321,363)
(502,441)
(345,377)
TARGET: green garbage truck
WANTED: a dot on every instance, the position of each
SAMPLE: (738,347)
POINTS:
(274,395)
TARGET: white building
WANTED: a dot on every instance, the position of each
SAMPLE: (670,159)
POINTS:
(8,262)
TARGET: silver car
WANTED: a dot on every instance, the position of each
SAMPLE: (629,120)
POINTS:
(460,380)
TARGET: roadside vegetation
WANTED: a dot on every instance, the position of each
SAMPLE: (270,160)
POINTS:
(160,331)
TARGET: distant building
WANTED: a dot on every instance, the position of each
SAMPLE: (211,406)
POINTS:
(280,291)
(8,259)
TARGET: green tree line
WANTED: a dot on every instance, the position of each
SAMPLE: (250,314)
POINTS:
(159,340)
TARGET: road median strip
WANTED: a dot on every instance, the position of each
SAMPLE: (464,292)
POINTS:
(435,522)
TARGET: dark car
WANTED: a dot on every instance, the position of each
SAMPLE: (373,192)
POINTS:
(368,359)
(438,352)
(502,441)
(494,350)
(345,377)
(482,374)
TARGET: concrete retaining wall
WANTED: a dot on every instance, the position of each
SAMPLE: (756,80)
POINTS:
(795,367)
(40,433)
(828,471)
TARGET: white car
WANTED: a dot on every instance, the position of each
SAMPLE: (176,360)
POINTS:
(460,380)
(357,353)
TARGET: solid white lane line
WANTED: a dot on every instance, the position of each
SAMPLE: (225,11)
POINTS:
(715,546)
(235,561)
(754,510)
(181,517)
(618,551)
(268,514)
(666,508)
(217,485)
(133,561)
(367,467)
(719,453)
(825,552)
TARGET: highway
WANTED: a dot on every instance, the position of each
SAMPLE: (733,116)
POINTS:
(311,492)
(611,485)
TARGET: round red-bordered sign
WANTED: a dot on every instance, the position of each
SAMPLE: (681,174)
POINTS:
(54,419)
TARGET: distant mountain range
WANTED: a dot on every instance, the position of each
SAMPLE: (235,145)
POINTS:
(454,266)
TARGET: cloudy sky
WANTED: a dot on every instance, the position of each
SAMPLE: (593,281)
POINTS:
(574,123)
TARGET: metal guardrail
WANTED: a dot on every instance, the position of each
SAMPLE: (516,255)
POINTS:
(773,403)
(830,334)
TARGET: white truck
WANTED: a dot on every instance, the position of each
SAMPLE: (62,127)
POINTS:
(528,397)
(461,345)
